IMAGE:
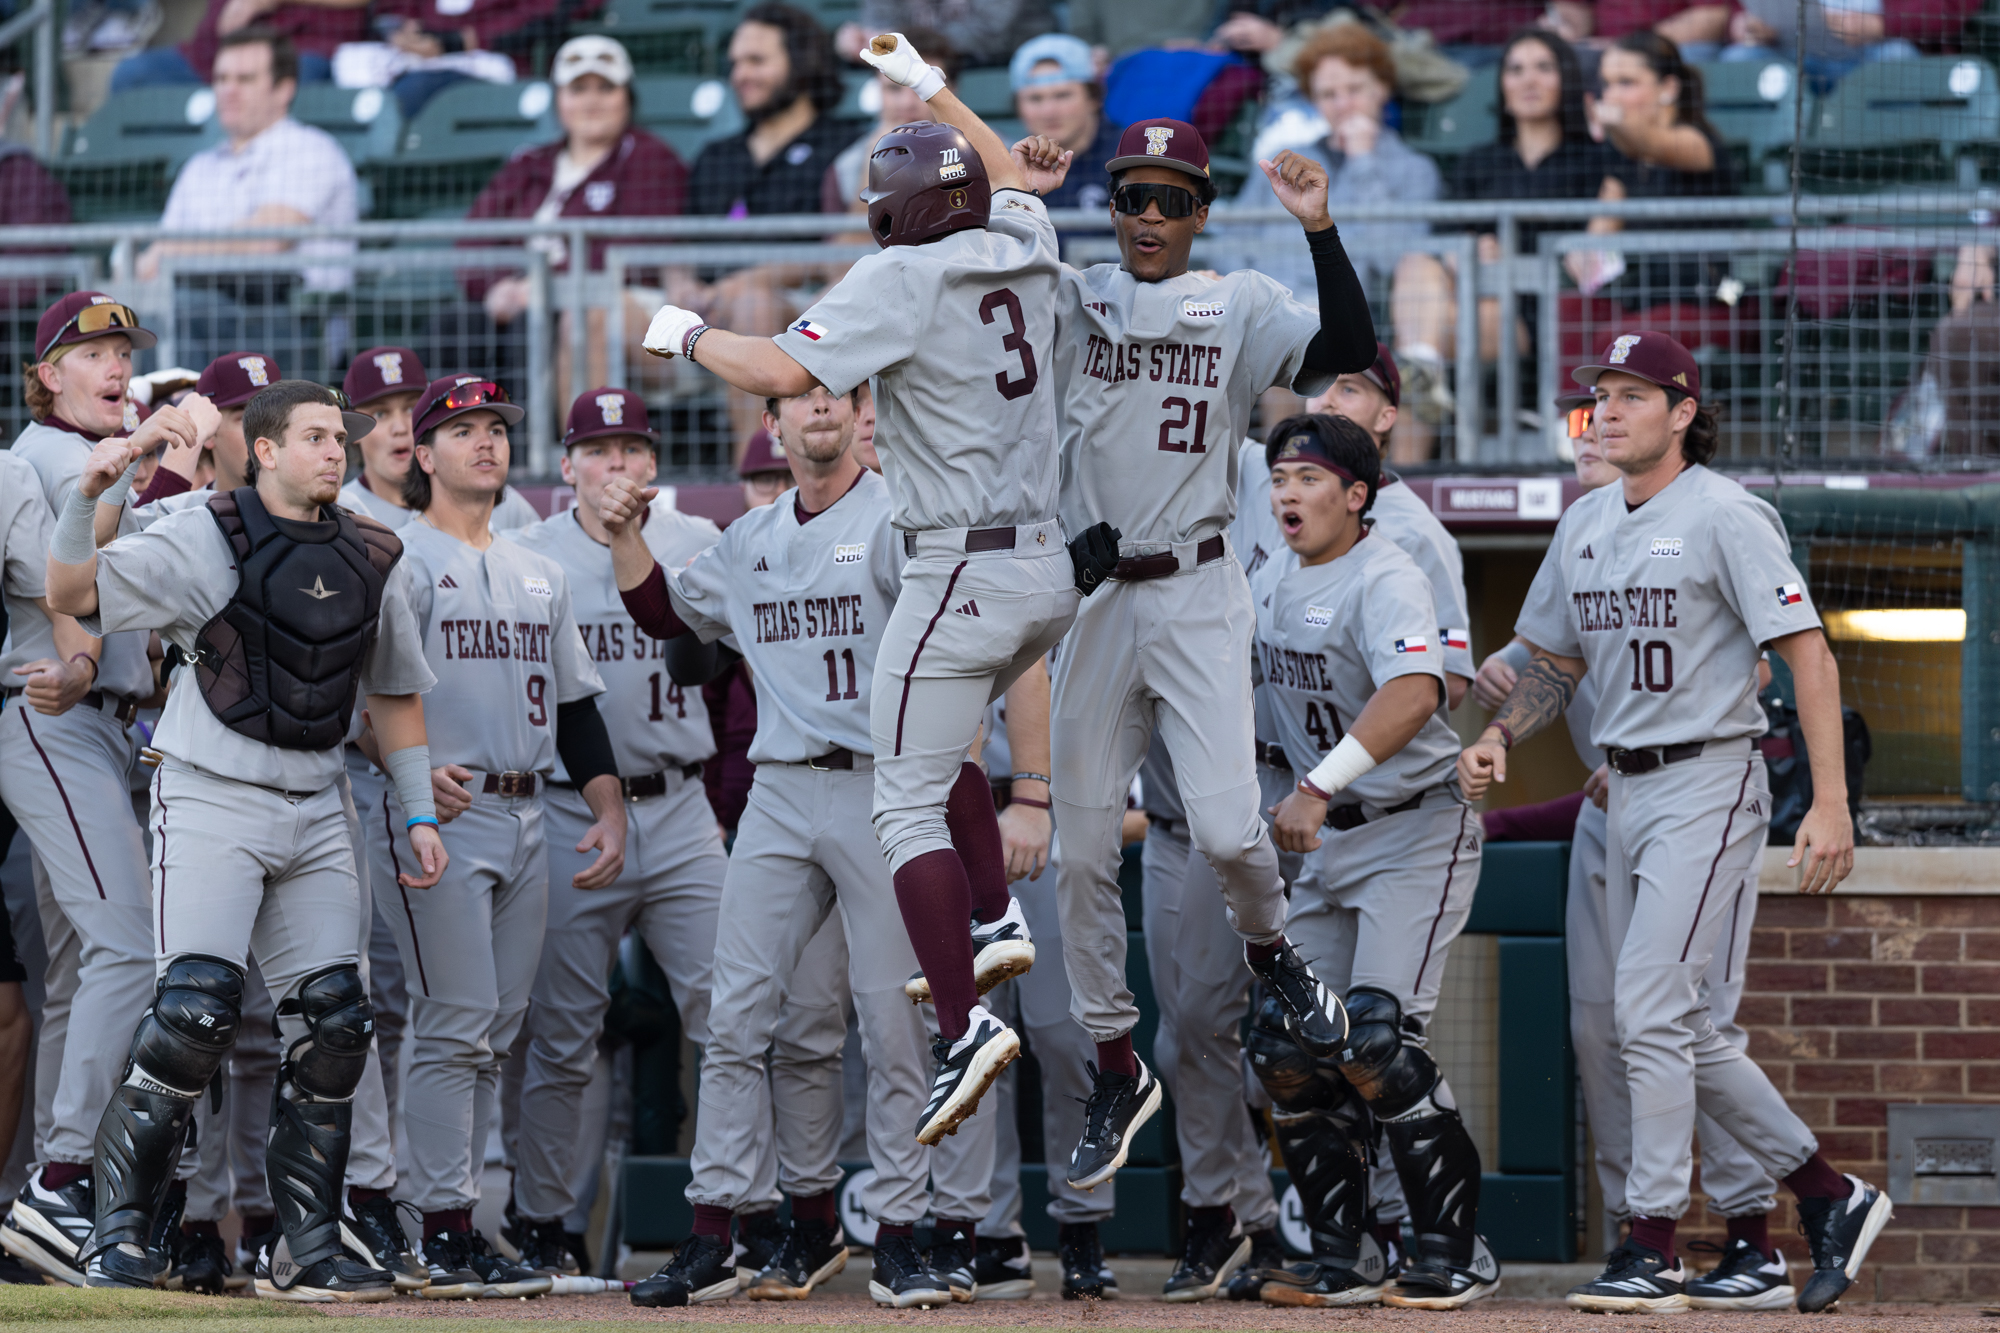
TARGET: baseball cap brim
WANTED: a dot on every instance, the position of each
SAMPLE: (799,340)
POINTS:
(358,424)
(606,432)
(1587,377)
(1118,164)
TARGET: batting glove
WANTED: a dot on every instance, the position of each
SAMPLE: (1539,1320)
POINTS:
(1093,555)
(897,61)
(667,335)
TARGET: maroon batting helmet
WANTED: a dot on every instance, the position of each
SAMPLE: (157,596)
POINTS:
(925,181)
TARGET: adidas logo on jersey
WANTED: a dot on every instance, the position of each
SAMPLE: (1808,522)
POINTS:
(447,582)
(971,608)
(760,567)
(1586,554)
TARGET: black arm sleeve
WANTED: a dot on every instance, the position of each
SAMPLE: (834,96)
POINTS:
(692,663)
(1345,343)
(582,741)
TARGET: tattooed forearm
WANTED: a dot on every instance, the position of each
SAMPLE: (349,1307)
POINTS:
(1540,697)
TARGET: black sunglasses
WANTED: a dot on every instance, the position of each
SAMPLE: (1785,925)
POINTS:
(1174,201)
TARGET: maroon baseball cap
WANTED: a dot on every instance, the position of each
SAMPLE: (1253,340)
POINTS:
(1384,375)
(1652,356)
(1161,143)
(381,371)
(763,454)
(455,395)
(597,413)
(81,316)
(234,378)
(135,414)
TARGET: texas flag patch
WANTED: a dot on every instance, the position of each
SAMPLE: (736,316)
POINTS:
(1416,643)
(810,329)
(1791,594)
(1455,638)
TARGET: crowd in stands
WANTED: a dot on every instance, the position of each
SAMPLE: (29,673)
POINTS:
(1596,100)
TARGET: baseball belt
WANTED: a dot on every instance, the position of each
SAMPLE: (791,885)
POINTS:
(840,759)
(126,705)
(645,784)
(1631,763)
(509,784)
(1137,568)
(1345,817)
(1272,756)
(976,540)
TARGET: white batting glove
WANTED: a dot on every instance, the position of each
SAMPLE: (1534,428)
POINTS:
(897,60)
(667,335)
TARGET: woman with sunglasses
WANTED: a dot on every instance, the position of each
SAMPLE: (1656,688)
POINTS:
(64,764)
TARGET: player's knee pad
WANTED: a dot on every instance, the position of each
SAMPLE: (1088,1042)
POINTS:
(185,1036)
(1296,1081)
(1392,1074)
(326,1063)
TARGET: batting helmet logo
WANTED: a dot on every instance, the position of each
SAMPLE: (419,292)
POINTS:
(612,407)
(253,366)
(391,366)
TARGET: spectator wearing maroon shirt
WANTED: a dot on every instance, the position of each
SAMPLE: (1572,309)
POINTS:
(29,197)
(603,166)
(316,27)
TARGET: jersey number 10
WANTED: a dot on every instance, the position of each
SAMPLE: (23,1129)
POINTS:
(1655,661)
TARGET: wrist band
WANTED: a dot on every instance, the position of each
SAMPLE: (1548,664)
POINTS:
(1307,789)
(693,337)
(86,657)
(421,819)
(1349,760)
(1029,777)
(1022,800)
(1506,735)
(116,493)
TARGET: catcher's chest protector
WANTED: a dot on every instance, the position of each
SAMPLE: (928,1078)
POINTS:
(282,662)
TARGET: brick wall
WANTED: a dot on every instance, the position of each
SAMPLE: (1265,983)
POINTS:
(1854,1003)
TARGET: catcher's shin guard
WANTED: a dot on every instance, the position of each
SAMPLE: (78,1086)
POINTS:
(1323,1130)
(311,1110)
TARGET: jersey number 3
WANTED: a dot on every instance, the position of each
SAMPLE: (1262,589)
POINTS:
(1016,341)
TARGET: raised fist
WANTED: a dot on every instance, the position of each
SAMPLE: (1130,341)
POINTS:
(897,61)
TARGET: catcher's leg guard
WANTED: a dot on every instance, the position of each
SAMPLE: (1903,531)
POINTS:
(311,1112)
(1323,1130)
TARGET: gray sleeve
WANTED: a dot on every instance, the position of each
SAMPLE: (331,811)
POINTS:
(700,592)
(886,561)
(1447,576)
(25,526)
(576,675)
(1545,619)
(396,663)
(178,572)
(865,323)
(1274,348)
(1757,577)
(1399,627)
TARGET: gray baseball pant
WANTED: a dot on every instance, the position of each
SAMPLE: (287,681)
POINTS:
(66,780)
(669,891)
(1682,843)
(386,990)
(1173,651)
(470,944)
(230,1142)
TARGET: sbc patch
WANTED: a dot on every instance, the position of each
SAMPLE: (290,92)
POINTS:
(537,587)
(1318,616)
(1669,547)
(850,555)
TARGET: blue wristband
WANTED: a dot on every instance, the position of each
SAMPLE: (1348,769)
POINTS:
(420,819)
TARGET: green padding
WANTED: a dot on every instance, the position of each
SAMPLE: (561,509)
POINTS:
(1814,511)
(1527,1218)
(1537,1074)
(657,1213)
(1521,889)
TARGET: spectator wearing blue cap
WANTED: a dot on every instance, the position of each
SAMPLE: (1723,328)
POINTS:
(1057,93)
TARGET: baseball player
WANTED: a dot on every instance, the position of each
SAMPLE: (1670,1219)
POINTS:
(954,318)
(1752,1274)
(1345,633)
(389,381)
(229,383)
(516,692)
(252,848)
(674,862)
(805,587)
(1635,589)
(64,766)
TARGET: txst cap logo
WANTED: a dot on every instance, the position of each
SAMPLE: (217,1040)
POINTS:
(1621,348)
(390,366)
(1293,447)
(611,407)
(1157,138)
(253,366)
(130,419)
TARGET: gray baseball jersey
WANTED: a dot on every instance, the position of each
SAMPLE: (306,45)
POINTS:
(510,512)
(1407,521)
(655,725)
(58,458)
(25,527)
(177,576)
(1329,637)
(147,515)
(1669,605)
(1254,532)
(807,604)
(500,633)
(957,335)
(1157,379)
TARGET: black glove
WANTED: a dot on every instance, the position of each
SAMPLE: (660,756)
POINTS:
(1095,555)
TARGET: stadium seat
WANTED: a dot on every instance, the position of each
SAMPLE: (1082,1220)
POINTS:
(457,142)
(1450,129)
(687,110)
(1753,104)
(366,121)
(118,164)
(1927,121)
(671,36)
(987,92)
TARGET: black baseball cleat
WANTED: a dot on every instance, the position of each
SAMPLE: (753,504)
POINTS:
(904,1278)
(702,1269)
(954,1256)
(811,1253)
(543,1247)
(448,1271)
(122,1265)
(1744,1280)
(372,1234)
(1002,1269)
(1314,1015)
(501,1275)
(1119,1104)
(1211,1253)
(46,1227)
(1085,1275)
(966,1068)
(1636,1280)
(758,1236)
(1431,1282)
(1318,1285)
(1840,1232)
(337,1280)
(200,1263)
(1267,1255)
(1001,951)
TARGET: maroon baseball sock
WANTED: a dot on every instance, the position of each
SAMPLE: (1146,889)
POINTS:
(884,1230)
(1656,1234)
(936,903)
(1816,1180)
(711,1221)
(55,1175)
(358,1195)
(1115,1056)
(450,1219)
(814,1208)
(1754,1230)
(1263,953)
(975,831)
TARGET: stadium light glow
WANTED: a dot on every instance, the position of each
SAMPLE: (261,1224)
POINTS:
(1910,625)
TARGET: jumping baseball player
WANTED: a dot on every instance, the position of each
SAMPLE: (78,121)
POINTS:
(515,691)
(805,586)
(1345,635)
(674,862)
(1752,1274)
(252,850)
(955,320)
(64,778)
(1666,587)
